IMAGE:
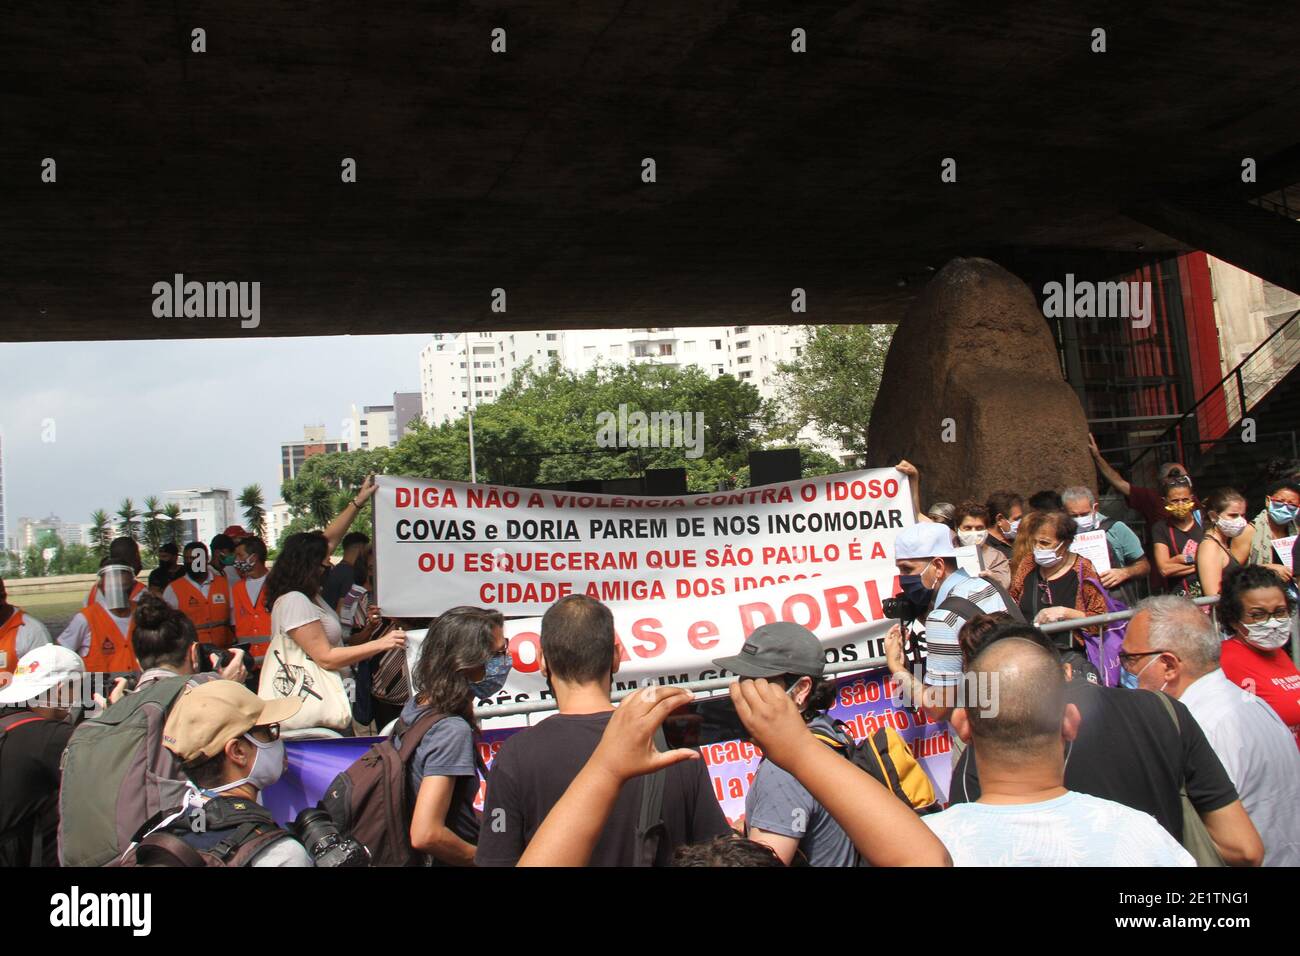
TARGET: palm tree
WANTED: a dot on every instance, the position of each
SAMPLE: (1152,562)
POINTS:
(101,531)
(250,499)
(320,507)
(127,513)
(172,516)
(153,526)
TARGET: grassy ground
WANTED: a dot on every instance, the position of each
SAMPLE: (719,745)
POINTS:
(54,609)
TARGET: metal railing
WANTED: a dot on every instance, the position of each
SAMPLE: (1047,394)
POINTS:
(1224,405)
(707,687)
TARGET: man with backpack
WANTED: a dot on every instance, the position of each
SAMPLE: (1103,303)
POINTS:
(117,773)
(780,812)
(228,742)
(33,733)
(945,597)
(652,815)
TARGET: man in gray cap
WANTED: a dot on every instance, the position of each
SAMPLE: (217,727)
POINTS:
(779,810)
(945,598)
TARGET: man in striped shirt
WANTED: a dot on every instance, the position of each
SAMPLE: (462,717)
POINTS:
(944,597)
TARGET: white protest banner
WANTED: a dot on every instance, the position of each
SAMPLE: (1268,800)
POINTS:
(1092,545)
(674,642)
(445,543)
(1284,547)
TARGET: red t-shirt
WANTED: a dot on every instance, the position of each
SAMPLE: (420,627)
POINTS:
(1271,674)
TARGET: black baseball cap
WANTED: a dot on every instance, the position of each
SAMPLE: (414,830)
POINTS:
(776,649)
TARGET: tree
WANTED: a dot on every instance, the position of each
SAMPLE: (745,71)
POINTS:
(172,522)
(154,532)
(101,532)
(127,513)
(832,385)
(251,500)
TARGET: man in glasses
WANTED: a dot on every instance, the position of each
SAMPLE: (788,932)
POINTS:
(1172,645)
(228,742)
(1129,750)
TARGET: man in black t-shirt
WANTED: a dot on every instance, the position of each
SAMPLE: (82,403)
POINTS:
(34,732)
(344,574)
(1128,750)
(533,768)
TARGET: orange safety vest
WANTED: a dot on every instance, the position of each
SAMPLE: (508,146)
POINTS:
(211,614)
(252,621)
(135,593)
(9,641)
(109,650)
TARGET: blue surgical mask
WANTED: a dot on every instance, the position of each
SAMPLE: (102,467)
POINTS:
(494,677)
(1281,512)
(1130,680)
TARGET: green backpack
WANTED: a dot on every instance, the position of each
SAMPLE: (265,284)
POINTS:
(117,775)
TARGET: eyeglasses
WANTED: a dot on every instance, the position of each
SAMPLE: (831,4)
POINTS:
(1124,658)
(1259,617)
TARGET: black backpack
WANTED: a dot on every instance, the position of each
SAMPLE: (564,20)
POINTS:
(967,609)
(234,832)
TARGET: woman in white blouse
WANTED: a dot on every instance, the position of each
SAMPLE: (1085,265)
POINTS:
(292,593)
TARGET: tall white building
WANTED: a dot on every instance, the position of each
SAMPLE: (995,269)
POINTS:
(211,509)
(375,426)
(456,369)
(278,517)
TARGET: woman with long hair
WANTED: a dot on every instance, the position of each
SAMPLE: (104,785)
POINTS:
(464,658)
(298,613)
(1225,545)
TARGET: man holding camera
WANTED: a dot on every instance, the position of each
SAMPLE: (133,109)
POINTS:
(944,597)
(228,742)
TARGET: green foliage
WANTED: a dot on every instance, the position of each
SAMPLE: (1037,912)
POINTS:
(832,385)
(127,512)
(101,532)
(543,429)
(154,531)
(251,500)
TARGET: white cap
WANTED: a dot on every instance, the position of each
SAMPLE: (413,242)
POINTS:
(40,670)
(925,539)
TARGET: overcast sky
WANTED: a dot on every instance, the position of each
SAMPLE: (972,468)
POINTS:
(141,418)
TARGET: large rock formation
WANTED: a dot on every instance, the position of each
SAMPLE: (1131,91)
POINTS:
(976,350)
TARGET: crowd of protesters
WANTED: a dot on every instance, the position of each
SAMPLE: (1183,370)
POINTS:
(1172,741)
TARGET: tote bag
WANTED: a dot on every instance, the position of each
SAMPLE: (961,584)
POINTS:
(287,671)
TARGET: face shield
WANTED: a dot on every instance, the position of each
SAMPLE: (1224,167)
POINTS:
(115,581)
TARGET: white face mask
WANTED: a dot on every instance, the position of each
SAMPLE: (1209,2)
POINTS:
(1012,530)
(1268,635)
(268,766)
(1046,557)
(1086,522)
(1231,527)
(968,538)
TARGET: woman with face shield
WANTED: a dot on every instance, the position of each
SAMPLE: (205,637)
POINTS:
(101,631)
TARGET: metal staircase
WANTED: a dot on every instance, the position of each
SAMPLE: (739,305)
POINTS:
(1250,417)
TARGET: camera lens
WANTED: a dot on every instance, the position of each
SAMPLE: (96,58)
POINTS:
(316,830)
